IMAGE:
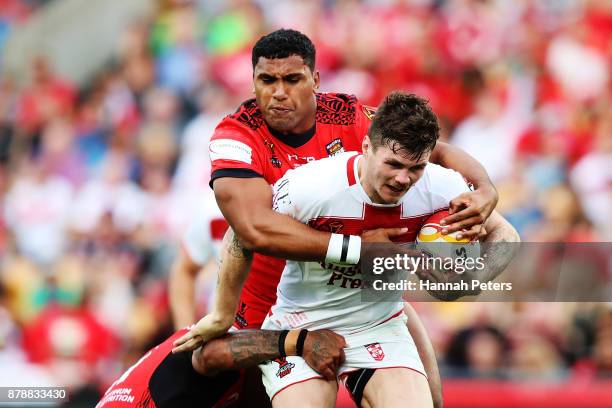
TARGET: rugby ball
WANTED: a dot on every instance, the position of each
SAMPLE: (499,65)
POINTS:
(431,241)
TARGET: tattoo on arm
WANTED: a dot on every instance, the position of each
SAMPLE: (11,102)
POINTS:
(248,348)
(318,351)
(498,255)
(237,250)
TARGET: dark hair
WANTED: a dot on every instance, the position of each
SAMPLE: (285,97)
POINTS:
(282,44)
(405,122)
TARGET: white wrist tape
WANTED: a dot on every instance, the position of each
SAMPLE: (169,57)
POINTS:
(343,249)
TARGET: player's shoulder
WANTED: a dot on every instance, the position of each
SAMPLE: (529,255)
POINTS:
(237,137)
(438,176)
(302,192)
(438,181)
(244,124)
(319,180)
(247,115)
(324,171)
(340,109)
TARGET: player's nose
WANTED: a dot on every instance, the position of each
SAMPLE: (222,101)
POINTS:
(403,177)
(280,92)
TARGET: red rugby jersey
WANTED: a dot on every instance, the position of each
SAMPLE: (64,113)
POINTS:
(244,146)
(132,388)
(162,379)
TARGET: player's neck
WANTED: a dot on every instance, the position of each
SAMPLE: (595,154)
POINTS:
(294,139)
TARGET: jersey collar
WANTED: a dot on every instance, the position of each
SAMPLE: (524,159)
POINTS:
(294,140)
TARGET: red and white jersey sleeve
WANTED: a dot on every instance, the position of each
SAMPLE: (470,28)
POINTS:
(303,192)
(233,146)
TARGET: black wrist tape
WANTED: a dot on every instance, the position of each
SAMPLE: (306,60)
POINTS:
(281,343)
(299,345)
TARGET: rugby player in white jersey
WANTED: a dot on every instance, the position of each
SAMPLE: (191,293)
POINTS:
(390,185)
(351,194)
(201,248)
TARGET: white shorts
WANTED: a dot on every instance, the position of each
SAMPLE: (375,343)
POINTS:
(388,345)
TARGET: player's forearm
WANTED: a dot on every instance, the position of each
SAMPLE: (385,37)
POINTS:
(457,159)
(241,349)
(234,266)
(182,296)
(283,237)
(247,206)
(426,353)
(500,245)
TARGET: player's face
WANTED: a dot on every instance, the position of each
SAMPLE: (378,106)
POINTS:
(387,176)
(285,92)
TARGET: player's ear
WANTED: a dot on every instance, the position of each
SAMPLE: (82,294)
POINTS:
(365,144)
(317,81)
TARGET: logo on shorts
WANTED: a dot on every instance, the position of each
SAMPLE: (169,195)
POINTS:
(375,351)
(334,147)
(284,367)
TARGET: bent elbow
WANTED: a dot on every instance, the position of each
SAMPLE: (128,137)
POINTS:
(253,240)
(198,363)
(206,361)
(259,244)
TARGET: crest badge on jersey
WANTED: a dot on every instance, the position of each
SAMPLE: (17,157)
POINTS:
(369,111)
(376,351)
(274,160)
(334,147)
(284,367)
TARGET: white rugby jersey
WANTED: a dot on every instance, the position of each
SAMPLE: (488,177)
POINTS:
(327,195)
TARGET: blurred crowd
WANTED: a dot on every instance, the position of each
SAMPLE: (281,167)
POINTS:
(98,181)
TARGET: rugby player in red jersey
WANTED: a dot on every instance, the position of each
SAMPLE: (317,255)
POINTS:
(210,376)
(213,375)
(288,124)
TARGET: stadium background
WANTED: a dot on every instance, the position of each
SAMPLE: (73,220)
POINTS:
(103,161)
